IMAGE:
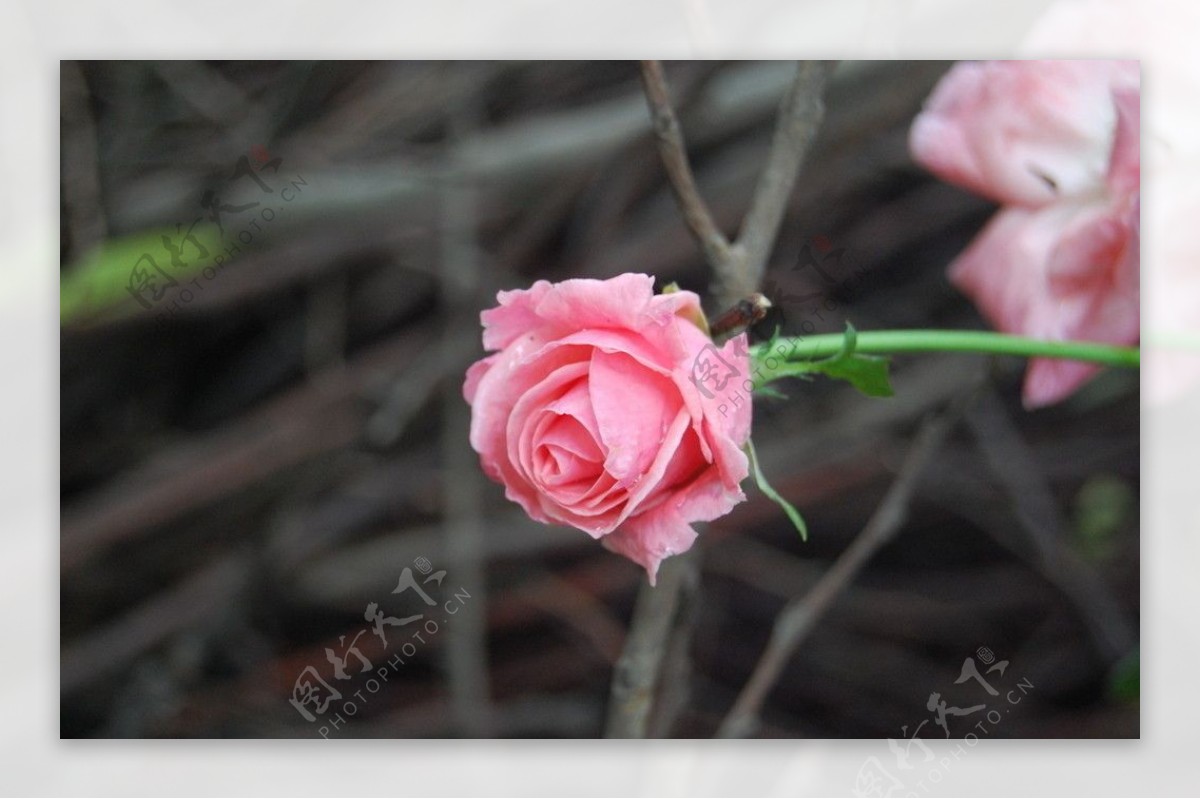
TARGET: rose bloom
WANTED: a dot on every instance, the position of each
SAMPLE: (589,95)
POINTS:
(1057,142)
(1171,159)
(590,412)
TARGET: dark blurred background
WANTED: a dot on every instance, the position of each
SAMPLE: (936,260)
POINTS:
(272,274)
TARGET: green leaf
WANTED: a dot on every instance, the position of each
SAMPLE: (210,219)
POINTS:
(767,391)
(867,373)
(773,495)
(97,282)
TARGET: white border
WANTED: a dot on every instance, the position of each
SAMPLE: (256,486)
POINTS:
(34,34)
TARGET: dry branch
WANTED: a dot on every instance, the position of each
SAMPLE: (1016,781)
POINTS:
(798,618)
(661,624)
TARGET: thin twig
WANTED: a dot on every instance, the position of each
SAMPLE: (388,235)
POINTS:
(676,671)
(466,650)
(739,267)
(630,172)
(1040,518)
(671,147)
(82,194)
(799,119)
(636,677)
(660,631)
(798,618)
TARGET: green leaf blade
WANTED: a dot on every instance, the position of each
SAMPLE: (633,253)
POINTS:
(773,495)
(867,373)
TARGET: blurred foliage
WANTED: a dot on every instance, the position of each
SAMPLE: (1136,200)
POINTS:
(1102,507)
(1126,682)
(102,281)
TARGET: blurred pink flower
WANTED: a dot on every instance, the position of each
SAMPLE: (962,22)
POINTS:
(1057,142)
(590,413)
(1163,34)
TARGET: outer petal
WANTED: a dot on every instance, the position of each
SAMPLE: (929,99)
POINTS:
(475,373)
(514,317)
(620,302)
(722,413)
(628,342)
(666,529)
(1125,166)
(1025,132)
(649,539)
(667,311)
(624,304)
(1054,273)
(1051,380)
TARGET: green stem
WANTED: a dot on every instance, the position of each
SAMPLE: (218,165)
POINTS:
(895,342)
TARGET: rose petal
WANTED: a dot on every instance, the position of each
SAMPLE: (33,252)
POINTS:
(556,465)
(721,413)
(1051,380)
(650,538)
(687,462)
(652,480)
(568,433)
(1028,277)
(562,392)
(634,406)
(665,530)
(475,373)
(619,302)
(629,342)
(496,392)
(1027,132)
(514,317)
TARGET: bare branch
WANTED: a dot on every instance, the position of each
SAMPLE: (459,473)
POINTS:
(468,678)
(671,147)
(739,267)
(799,119)
(799,616)
(659,633)
(82,193)
(637,675)
(676,670)
(1009,457)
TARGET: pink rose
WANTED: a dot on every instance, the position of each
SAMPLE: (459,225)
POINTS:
(1058,143)
(1067,28)
(590,416)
